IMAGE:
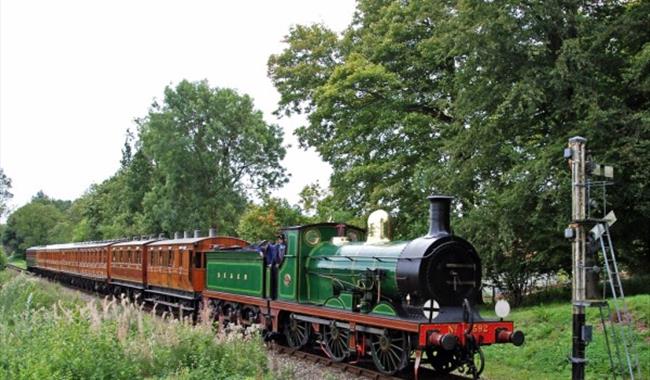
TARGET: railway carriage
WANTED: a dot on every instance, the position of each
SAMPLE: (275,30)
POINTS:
(176,268)
(82,264)
(128,262)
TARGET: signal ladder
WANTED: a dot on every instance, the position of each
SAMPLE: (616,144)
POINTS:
(624,360)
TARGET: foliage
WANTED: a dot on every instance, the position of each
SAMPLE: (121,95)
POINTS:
(320,205)
(39,222)
(477,100)
(208,147)
(5,194)
(3,259)
(263,222)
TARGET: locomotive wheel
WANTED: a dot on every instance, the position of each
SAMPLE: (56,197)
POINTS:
(335,340)
(390,351)
(297,333)
(249,315)
(442,360)
(229,313)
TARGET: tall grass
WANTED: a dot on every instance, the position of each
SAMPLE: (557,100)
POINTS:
(43,336)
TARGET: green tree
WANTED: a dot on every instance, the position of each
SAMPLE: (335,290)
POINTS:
(5,193)
(320,205)
(208,148)
(34,224)
(263,222)
(477,99)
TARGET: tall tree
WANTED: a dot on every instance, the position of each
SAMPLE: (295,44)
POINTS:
(36,223)
(208,148)
(477,99)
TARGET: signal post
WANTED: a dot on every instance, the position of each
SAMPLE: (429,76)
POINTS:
(578,232)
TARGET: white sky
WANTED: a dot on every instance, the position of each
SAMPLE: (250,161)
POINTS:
(74,75)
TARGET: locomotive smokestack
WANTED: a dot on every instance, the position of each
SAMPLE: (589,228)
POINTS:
(439,211)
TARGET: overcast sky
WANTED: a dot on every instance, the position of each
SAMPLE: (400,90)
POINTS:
(74,75)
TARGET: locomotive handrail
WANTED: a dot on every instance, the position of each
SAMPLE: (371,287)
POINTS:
(354,258)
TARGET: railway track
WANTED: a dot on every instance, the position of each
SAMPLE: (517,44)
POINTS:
(19,269)
(358,369)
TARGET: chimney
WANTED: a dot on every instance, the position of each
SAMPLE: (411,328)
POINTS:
(439,211)
(177,235)
(186,234)
(197,233)
(212,232)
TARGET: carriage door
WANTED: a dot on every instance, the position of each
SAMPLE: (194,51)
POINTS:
(198,270)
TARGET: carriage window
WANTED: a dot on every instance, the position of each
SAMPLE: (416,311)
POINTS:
(128,256)
(170,260)
(197,259)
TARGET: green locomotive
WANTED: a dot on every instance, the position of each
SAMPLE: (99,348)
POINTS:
(363,294)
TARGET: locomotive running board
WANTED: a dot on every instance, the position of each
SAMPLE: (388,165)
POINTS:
(344,315)
(344,325)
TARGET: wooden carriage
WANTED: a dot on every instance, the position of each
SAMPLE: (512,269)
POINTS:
(128,263)
(175,272)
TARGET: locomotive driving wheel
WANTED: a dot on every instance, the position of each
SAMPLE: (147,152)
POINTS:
(228,312)
(442,360)
(390,351)
(335,340)
(296,332)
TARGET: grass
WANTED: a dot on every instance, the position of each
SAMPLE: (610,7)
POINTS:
(548,343)
(48,332)
(20,263)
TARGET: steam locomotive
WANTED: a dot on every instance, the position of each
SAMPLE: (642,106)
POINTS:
(353,292)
